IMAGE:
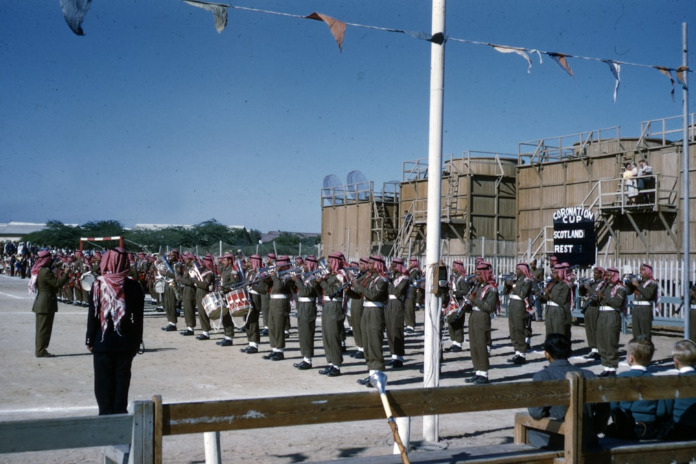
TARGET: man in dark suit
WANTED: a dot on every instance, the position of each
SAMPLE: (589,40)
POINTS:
(557,351)
(46,285)
(114,331)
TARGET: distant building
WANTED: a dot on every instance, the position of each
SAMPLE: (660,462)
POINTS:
(14,231)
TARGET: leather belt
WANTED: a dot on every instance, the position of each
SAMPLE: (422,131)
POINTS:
(606,308)
(305,299)
(515,297)
(642,303)
(552,303)
(327,298)
(278,296)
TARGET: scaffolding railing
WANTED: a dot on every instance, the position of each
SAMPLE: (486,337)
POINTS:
(661,129)
(563,147)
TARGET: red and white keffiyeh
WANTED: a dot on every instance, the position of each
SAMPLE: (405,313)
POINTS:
(107,292)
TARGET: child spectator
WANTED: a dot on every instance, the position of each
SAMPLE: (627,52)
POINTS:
(635,420)
(680,413)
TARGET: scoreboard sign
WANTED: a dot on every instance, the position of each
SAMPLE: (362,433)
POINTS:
(573,236)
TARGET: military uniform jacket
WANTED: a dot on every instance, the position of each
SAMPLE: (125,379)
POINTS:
(47,286)
(461,288)
(332,284)
(617,300)
(560,294)
(375,288)
(520,289)
(646,291)
(414,274)
(485,298)
(398,287)
(228,276)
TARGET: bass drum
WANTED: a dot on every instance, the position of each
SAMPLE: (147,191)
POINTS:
(239,306)
(87,280)
(214,306)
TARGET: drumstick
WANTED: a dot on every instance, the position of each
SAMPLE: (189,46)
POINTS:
(379,381)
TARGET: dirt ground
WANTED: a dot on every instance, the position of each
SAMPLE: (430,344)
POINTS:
(185,369)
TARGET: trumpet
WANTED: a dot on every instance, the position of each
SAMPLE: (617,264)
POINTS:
(346,285)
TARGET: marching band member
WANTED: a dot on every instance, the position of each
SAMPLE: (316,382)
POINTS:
(644,296)
(169,297)
(394,312)
(375,289)
(356,311)
(455,322)
(228,276)
(188,295)
(519,318)
(484,303)
(204,286)
(307,291)
(612,301)
(558,296)
(332,315)
(279,308)
(266,297)
(591,313)
(412,295)
(255,291)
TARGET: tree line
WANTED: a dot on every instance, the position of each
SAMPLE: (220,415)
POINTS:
(206,237)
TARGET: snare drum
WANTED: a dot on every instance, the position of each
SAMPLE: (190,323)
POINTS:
(239,306)
(159,286)
(214,305)
(452,312)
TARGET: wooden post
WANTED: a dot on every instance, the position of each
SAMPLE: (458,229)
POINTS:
(157,430)
(141,449)
(573,418)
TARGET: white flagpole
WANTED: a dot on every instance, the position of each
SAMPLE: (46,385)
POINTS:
(431,366)
(685,180)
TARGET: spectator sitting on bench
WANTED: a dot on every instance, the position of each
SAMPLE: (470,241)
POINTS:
(635,420)
(680,413)
(557,351)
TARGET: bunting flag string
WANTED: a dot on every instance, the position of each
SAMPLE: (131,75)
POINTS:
(74,12)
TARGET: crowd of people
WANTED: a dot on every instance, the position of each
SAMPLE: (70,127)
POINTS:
(369,299)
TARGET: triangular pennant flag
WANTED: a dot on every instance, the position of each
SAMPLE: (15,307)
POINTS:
(561,60)
(667,73)
(74,12)
(338,28)
(615,69)
(218,10)
(680,75)
(520,52)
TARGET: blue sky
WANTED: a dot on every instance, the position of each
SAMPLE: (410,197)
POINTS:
(154,117)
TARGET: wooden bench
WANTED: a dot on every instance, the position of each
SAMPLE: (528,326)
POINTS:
(607,390)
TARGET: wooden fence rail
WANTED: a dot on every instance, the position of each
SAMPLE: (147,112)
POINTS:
(151,421)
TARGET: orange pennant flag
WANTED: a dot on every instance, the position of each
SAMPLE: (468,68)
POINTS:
(338,28)
(562,62)
(680,74)
(667,73)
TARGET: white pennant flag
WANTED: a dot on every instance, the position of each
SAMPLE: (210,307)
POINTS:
(615,69)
